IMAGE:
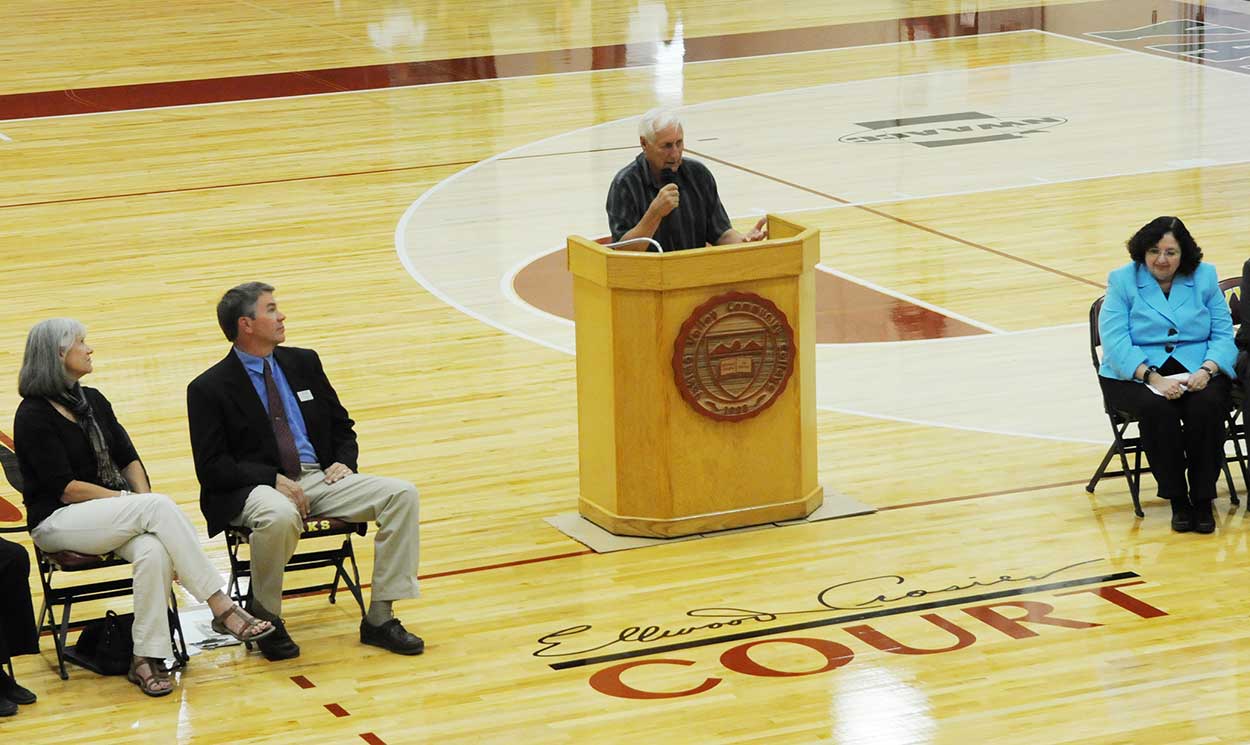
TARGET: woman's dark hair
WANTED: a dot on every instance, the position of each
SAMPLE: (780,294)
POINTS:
(1152,232)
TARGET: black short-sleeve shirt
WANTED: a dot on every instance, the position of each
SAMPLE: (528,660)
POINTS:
(699,219)
(53,451)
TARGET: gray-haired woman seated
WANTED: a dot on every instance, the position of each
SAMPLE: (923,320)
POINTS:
(85,490)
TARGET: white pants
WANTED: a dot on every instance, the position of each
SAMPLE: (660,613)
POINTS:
(150,532)
(276,527)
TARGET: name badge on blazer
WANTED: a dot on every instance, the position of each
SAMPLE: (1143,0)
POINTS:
(304,395)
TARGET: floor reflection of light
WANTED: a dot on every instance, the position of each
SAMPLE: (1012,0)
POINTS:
(874,705)
(648,40)
(397,31)
(186,729)
(670,60)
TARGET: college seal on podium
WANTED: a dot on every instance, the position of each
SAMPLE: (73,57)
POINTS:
(733,356)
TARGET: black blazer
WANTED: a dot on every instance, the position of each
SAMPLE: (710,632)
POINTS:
(232,439)
(1242,337)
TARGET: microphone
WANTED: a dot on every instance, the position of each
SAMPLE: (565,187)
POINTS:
(673,218)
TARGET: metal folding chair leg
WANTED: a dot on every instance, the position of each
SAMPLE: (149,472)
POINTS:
(1122,446)
(1101,470)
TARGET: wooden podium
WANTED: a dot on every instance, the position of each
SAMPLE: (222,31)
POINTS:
(696,401)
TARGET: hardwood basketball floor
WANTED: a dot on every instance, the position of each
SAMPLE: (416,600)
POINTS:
(389,166)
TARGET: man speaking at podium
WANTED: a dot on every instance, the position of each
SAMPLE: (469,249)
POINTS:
(667,198)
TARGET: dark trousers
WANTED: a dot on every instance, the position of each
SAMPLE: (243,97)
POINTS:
(1185,434)
(18,634)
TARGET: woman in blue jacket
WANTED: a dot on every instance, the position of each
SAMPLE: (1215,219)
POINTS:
(1168,354)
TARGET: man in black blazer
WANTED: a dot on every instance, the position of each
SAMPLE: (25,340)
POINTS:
(273,445)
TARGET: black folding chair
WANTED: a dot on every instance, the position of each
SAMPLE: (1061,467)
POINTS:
(1236,431)
(66,595)
(340,558)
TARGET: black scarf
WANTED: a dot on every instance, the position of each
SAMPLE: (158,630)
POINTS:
(75,400)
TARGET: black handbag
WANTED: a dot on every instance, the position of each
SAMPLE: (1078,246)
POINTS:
(106,644)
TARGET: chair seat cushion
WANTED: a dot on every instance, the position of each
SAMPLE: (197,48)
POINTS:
(315,525)
(318,525)
(71,561)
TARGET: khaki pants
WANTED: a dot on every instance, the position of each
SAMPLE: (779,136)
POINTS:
(276,527)
(150,532)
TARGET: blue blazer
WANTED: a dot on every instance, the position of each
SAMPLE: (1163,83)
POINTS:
(1138,324)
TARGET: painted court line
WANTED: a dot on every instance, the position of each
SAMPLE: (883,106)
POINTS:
(1129,50)
(914,301)
(982,495)
(901,220)
(209,187)
(302,682)
(507,286)
(517,152)
(960,427)
(324,77)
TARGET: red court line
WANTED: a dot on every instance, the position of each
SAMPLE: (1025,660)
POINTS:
(1065,20)
(239,184)
(337,710)
(586,552)
(180,190)
(132,97)
(489,67)
(761,174)
(466,570)
(302,682)
(900,220)
(485,567)
(371,738)
(973,244)
(982,495)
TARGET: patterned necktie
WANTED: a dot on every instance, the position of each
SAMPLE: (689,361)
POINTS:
(281,429)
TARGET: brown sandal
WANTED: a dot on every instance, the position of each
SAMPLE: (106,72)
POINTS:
(150,683)
(252,630)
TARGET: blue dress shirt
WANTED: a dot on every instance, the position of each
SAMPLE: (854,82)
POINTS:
(255,367)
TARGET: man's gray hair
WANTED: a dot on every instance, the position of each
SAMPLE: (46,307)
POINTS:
(238,302)
(656,120)
(43,366)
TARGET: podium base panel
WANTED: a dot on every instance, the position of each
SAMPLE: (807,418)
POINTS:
(674,527)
